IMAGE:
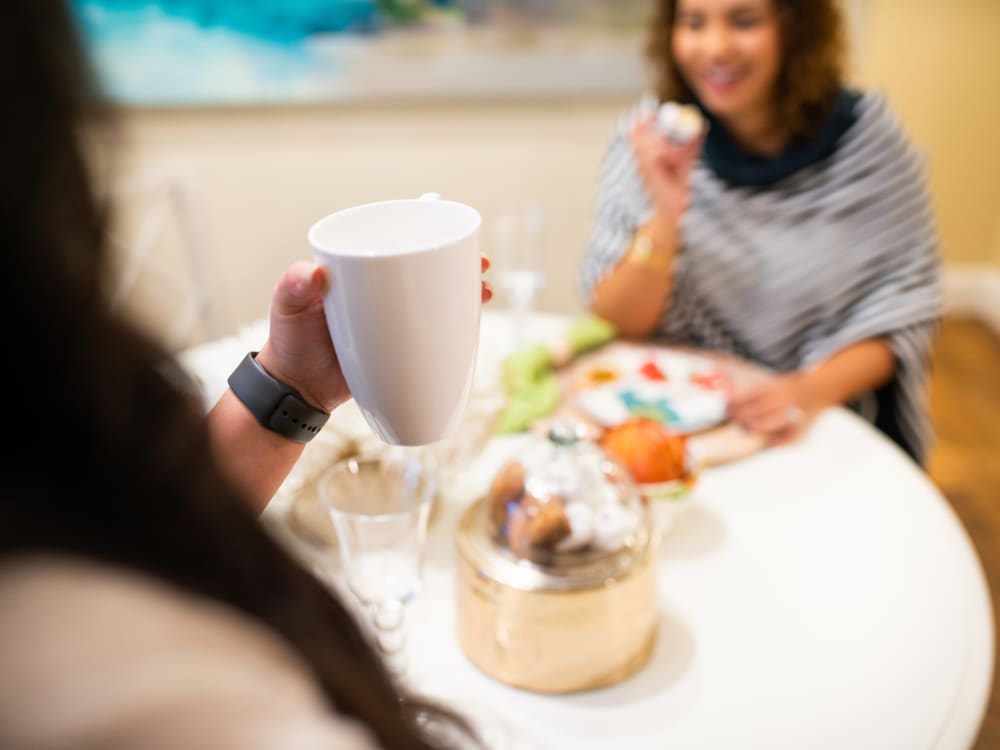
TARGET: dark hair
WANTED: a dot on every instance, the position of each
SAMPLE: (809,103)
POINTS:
(112,462)
(813,41)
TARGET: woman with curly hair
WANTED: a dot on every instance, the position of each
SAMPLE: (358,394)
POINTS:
(795,230)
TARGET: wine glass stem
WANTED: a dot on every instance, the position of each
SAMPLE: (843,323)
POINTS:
(521,310)
(390,635)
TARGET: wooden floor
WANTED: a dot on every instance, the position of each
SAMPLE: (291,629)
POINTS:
(965,463)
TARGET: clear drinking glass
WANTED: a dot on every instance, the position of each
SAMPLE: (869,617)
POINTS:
(516,252)
(379,507)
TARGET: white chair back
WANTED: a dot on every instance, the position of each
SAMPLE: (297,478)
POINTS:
(164,275)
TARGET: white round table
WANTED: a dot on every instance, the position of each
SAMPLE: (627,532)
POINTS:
(821,595)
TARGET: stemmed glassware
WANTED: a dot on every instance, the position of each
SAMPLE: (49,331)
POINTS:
(516,252)
(379,507)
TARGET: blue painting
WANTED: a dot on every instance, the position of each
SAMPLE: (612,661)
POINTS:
(218,52)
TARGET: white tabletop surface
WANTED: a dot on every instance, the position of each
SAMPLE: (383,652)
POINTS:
(821,595)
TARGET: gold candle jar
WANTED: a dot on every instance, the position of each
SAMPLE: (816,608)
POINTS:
(577,615)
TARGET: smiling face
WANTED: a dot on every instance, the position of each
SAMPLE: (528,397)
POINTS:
(729,54)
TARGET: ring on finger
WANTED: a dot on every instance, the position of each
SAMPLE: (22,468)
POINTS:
(794,415)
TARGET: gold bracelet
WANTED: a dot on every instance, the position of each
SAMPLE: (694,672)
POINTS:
(644,252)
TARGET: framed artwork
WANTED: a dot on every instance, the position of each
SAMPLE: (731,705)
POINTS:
(252,52)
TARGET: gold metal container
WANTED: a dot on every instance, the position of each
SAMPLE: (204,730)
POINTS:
(576,622)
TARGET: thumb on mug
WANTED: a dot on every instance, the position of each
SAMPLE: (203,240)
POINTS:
(300,287)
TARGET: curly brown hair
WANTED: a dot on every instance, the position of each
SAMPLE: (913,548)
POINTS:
(812,62)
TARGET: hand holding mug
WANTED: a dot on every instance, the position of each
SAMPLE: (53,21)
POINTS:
(402,308)
(298,350)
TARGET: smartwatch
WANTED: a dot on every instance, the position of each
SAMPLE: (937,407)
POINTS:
(276,405)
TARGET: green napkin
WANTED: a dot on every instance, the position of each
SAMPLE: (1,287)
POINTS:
(529,374)
(589,332)
(525,367)
(531,402)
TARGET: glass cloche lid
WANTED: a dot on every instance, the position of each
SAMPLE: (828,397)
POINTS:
(560,508)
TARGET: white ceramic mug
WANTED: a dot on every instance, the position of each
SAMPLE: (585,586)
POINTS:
(403,310)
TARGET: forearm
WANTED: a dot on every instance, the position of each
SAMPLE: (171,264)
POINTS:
(635,294)
(847,374)
(254,458)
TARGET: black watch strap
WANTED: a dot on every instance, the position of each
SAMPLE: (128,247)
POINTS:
(277,406)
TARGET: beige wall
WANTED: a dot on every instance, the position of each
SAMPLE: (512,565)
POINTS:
(939,63)
(260,177)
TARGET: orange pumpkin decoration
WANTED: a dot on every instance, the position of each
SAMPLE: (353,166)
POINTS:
(649,451)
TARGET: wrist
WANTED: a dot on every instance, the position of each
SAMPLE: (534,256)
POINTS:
(276,405)
(809,394)
(663,228)
(653,244)
(271,362)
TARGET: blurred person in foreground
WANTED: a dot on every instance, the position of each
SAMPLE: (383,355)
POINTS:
(795,231)
(141,604)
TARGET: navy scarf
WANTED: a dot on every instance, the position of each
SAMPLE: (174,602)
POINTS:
(739,168)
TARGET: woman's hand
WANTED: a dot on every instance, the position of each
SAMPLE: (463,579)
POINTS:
(776,408)
(487,287)
(299,351)
(665,167)
(782,407)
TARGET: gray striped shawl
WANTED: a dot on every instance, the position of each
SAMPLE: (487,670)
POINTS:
(843,250)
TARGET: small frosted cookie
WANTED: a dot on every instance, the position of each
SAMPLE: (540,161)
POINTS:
(537,526)
(507,488)
(679,122)
(613,525)
(581,524)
